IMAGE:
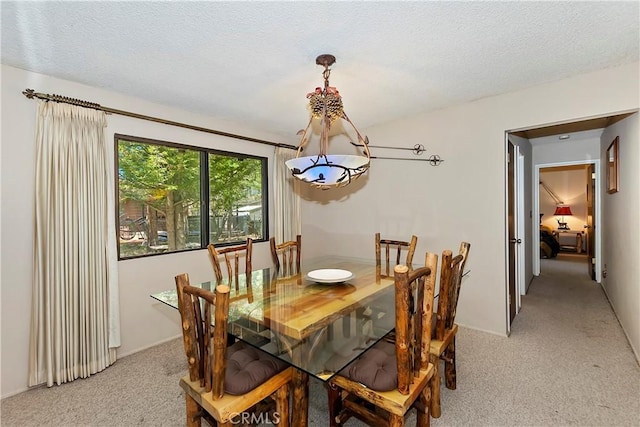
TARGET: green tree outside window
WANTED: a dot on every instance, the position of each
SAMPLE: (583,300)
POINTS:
(160,204)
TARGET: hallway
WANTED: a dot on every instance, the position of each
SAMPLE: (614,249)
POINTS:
(566,362)
(587,372)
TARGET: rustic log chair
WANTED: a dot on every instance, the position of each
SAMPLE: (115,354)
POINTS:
(389,246)
(289,253)
(233,269)
(381,319)
(229,254)
(224,381)
(444,329)
(382,385)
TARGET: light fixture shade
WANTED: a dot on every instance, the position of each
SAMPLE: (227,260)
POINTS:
(562,210)
(328,171)
(325,170)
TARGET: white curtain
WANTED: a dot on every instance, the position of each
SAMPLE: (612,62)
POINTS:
(74,314)
(288,223)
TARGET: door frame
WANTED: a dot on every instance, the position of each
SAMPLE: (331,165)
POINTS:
(521,285)
(519,229)
(597,209)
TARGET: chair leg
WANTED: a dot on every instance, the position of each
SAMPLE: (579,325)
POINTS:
(396,420)
(300,396)
(194,414)
(450,365)
(436,410)
(423,416)
(282,405)
(335,404)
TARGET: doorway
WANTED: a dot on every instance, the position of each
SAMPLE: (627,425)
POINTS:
(528,198)
(567,205)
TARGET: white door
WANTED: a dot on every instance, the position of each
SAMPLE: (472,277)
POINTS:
(515,230)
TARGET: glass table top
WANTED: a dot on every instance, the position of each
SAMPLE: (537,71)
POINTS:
(315,324)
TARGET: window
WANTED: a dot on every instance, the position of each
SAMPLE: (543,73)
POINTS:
(174,197)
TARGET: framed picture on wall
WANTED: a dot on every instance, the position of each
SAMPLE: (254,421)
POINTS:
(612,167)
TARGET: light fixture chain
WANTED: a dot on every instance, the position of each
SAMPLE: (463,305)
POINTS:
(325,74)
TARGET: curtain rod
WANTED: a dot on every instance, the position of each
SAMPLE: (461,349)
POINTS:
(434,160)
(30,93)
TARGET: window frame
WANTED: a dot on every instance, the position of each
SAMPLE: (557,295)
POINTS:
(204,191)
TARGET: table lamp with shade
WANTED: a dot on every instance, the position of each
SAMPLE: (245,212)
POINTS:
(561,211)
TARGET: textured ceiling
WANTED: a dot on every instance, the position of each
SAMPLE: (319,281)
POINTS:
(255,61)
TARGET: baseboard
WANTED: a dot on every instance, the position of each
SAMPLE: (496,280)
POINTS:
(119,356)
(633,350)
(22,390)
(526,289)
(129,353)
(482,330)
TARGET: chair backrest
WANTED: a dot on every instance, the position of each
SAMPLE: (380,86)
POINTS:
(393,245)
(286,255)
(414,291)
(451,274)
(232,253)
(196,305)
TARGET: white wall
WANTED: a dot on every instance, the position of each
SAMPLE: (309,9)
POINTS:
(464,198)
(621,230)
(576,149)
(143,321)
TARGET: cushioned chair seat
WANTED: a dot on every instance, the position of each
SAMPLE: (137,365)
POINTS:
(388,348)
(344,350)
(248,367)
(377,368)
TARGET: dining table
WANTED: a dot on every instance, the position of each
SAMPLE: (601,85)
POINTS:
(318,320)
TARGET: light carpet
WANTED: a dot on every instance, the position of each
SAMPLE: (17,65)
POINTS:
(566,363)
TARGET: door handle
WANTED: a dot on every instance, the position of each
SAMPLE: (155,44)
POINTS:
(515,241)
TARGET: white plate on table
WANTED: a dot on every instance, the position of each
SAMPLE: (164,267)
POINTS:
(330,275)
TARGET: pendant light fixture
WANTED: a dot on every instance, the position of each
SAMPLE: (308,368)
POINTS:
(325,170)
